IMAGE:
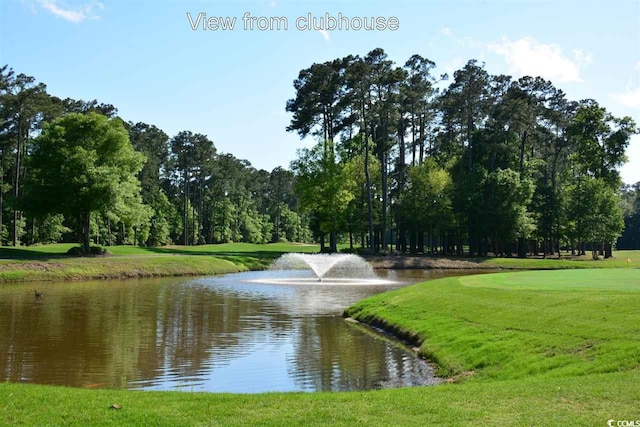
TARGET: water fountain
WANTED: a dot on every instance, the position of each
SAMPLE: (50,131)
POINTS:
(328,269)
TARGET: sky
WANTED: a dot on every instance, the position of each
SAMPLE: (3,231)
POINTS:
(146,58)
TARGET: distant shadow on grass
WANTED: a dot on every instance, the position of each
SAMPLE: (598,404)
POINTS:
(249,254)
(20,253)
(247,258)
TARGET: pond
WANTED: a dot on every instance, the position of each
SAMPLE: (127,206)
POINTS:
(233,333)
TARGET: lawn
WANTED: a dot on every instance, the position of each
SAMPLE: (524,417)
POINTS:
(49,262)
(59,249)
(520,348)
(620,259)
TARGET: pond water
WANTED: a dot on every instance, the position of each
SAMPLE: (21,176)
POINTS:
(233,333)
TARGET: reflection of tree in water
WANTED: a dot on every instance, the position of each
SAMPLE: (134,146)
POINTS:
(167,333)
(209,328)
(109,334)
(361,363)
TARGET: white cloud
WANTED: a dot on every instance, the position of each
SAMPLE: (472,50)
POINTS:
(582,57)
(446,31)
(630,172)
(325,34)
(526,56)
(630,98)
(72,14)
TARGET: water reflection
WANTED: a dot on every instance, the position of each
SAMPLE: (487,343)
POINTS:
(206,334)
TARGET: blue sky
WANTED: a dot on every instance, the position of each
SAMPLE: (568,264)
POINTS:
(144,58)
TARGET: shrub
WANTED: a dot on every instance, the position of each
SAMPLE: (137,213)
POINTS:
(97,250)
(75,251)
(93,250)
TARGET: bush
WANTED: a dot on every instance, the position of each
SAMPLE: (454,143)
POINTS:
(97,250)
(93,250)
(75,251)
(349,250)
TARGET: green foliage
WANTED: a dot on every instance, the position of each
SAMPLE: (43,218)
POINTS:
(595,208)
(512,150)
(497,204)
(426,201)
(631,210)
(507,196)
(97,250)
(83,164)
(164,213)
(251,226)
(75,251)
(601,140)
(323,188)
(78,251)
(224,215)
(48,229)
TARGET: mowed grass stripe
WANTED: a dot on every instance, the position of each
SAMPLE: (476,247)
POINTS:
(499,331)
(603,279)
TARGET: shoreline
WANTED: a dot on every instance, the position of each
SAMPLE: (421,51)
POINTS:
(122,266)
(108,268)
(417,262)
(476,332)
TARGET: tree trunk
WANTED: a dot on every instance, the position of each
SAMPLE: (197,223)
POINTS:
(194,240)
(413,247)
(522,248)
(185,219)
(422,138)
(85,220)
(413,139)
(367,176)
(333,242)
(16,184)
(383,237)
(1,195)
(109,231)
(523,143)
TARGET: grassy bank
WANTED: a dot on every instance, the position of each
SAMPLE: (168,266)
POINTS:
(518,325)
(124,267)
(526,348)
(620,259)
(59,249)
(49,262)
(592,400)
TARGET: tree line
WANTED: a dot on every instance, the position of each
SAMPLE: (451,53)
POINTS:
(471,163)
(72,170)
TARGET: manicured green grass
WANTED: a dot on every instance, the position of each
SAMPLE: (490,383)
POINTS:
(126,267)
(591,400)
(518,325)
(616,280)
(49,262)
(58,249)
(619,260)
(527,348)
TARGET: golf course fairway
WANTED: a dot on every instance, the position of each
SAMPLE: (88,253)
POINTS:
(523,348)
